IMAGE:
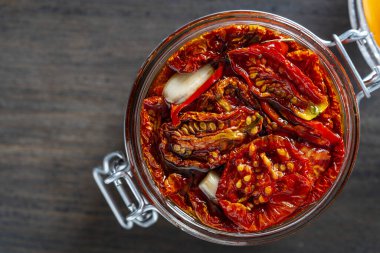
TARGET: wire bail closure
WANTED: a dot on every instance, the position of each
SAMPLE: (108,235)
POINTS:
(367,84)
(116,170)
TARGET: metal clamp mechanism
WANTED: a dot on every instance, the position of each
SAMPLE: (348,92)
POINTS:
(116,170)
(371,82)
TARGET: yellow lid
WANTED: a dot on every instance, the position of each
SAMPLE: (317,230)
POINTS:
(372,14)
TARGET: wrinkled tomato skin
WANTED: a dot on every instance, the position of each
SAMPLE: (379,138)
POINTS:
(187,145)
(208,213)
(279,46)
(256,195)
(325,181)
(283,203)
(153,112)
(252,124)
(312,131)
(211,46)
(276,59)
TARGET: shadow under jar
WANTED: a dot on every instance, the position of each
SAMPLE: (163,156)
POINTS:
(169,183)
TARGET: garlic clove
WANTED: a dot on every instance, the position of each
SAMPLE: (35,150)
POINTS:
(182,85)
(209,185)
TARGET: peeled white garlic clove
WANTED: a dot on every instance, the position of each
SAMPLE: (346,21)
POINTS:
(182,85)
(209,185)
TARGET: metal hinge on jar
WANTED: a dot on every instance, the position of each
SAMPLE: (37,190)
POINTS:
(116,171)
(367,84)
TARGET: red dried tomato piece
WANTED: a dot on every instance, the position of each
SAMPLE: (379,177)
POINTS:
(288,195)
(262,183)
(208,213)
(273,77)
(175,188)
(309,63)
(226,95)
(211,46)
(328,177)
(312,131)
(182,202)
(174,183)
(153,112)
(203,140)
(319,158)
(277,45)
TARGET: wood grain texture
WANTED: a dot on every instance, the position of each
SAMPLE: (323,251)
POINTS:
(66,71)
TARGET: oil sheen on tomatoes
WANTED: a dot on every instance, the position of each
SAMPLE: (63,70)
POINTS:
(250,142)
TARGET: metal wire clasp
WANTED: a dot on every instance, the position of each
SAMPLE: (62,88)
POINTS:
(367,84)
(116,170)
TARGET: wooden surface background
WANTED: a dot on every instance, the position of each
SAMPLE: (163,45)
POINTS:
(66,69)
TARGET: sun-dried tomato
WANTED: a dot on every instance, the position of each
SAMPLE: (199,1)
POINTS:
(271,76)
(326,179)
(226,95)
(289,193)
(264,182)
(211,46)
(312,131)
(174,183)
(277,45)
(309,63)
(208,213)
(153,112)
(203,140)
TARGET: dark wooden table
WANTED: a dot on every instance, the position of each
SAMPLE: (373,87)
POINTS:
(66,69)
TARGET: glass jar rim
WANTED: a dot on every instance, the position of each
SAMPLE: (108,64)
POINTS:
(154,63)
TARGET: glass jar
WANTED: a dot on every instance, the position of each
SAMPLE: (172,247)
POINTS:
(118,169)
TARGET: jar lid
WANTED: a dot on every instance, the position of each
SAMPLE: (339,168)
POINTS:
(368,46)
